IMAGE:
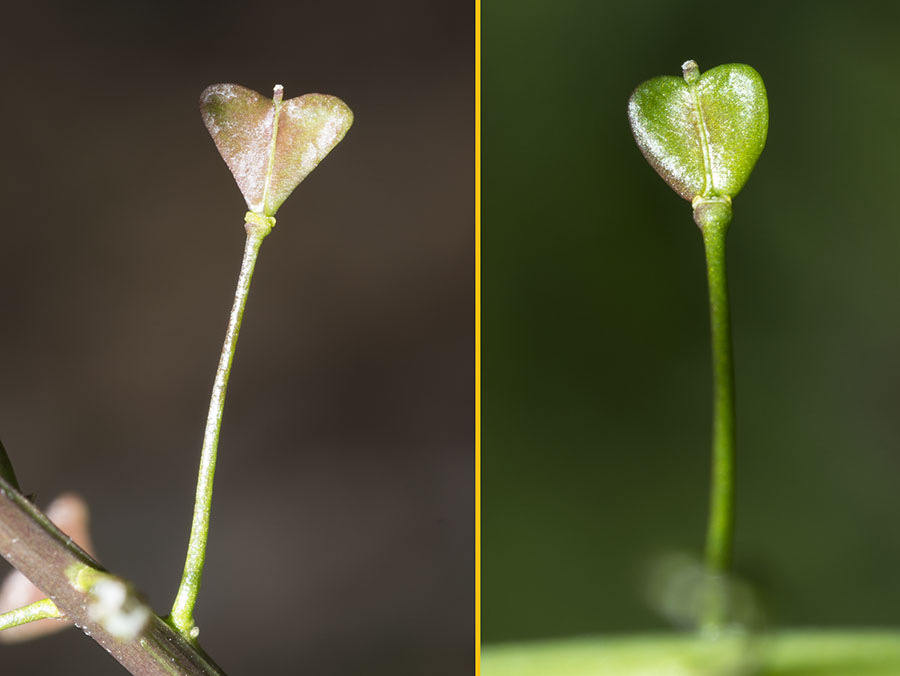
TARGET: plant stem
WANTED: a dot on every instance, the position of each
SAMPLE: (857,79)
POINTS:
(49,558)
(182,615)
(716,217)
(44,609)
(713,215)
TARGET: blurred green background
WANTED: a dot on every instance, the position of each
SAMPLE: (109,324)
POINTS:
(596,380)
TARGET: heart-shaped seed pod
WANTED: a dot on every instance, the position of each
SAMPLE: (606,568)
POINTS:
(271,145)
(703,133)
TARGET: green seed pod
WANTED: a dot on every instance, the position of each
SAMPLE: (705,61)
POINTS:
(703,133)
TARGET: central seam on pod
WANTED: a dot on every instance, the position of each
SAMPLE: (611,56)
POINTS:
(709,187)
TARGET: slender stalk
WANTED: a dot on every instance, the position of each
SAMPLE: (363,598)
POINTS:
(182,615)
(713,215)
(44,609)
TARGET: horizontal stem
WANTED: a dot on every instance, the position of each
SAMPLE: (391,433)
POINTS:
(856,652)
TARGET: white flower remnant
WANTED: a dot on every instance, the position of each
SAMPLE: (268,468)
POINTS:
(117,610)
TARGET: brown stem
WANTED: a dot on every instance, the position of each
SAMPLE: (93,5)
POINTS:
(31,543)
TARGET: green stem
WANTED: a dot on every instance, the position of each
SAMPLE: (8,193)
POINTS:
(713,215)
(716,216)
(44,609)
(182,615)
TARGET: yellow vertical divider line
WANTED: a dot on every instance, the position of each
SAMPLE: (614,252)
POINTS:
(477,337)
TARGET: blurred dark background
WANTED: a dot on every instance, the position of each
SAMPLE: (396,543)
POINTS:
(342,530)
(596,351)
